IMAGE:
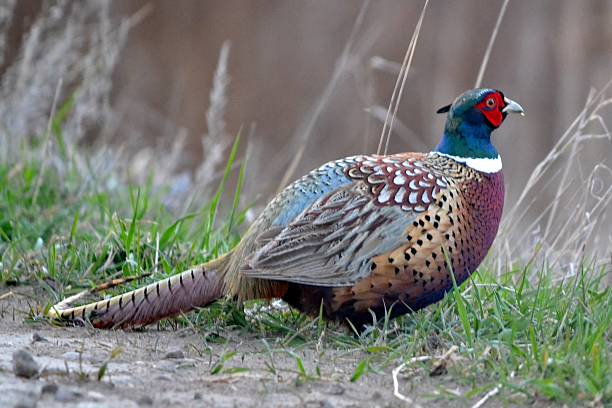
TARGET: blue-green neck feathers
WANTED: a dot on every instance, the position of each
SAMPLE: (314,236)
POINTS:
(463,139)
(467,132)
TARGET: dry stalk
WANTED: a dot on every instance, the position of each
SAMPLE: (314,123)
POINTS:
(398,369)
(400,82)
(342,64)
(483,400)
(485,59)
(566,204)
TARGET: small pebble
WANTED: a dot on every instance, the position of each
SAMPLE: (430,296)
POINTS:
(334,389)
(96,396)
(24,364)
(197,396)
(49,371)
(37,337)
(49,388)
(327,404)
(146,400)
(175,354)
(71,356)
(65,394)
(167,366)
(26,402)
(186,363)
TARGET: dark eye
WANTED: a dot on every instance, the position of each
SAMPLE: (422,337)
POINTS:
(490,102)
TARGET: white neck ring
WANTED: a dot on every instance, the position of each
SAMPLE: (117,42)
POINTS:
(481,164)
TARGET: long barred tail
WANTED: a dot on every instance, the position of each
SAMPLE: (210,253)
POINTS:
(196,287)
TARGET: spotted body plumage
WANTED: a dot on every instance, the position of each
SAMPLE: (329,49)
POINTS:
(456,228)
(440,202)
(357,235)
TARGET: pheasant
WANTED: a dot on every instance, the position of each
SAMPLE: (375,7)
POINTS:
(376,233)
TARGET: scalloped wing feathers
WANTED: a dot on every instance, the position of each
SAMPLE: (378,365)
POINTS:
(332,242)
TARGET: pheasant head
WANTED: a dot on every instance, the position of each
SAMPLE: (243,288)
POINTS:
(471,119)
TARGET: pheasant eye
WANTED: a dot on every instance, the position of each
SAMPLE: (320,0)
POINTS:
(490,102)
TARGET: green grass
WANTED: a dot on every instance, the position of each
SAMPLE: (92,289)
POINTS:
(533,337)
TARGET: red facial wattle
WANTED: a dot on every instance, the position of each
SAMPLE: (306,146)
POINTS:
(491,107)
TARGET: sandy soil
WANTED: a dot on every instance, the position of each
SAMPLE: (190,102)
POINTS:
(144,375)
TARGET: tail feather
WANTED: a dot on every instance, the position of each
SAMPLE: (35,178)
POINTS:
(196,287)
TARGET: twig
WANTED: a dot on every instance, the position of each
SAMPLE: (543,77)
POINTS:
(413,360)
(7,295)
(488,395)
(485,59)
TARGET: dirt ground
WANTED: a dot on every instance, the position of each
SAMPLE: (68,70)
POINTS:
(144,374)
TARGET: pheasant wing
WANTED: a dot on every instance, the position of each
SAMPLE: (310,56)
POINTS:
(332,242)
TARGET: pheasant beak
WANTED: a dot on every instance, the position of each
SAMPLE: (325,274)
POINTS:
(512,107)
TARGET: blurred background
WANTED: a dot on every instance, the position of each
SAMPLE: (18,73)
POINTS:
(154,81)
(548,55)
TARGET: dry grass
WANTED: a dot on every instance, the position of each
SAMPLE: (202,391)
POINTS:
(304,131)
(487,54)
(63,75)
(215,142)
(396,96)
(563,213)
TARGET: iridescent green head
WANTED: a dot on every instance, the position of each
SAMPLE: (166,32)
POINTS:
(471,119)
